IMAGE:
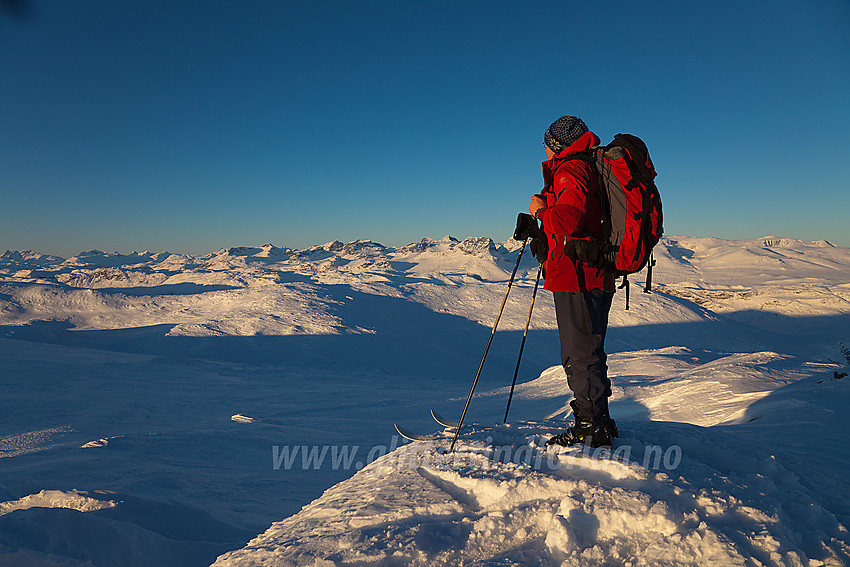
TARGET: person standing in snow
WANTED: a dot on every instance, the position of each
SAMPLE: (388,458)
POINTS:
(569,207)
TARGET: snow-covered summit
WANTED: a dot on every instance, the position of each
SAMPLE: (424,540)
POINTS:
(661,497)
(27,259)
(98,259)
(483,247)
(447,243)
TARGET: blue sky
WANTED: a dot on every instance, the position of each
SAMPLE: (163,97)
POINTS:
(192,125)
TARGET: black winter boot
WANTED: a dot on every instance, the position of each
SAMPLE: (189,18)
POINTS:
(594,432)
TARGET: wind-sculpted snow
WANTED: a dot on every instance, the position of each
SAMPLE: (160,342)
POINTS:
(502,498)
(167,409)
(73,500)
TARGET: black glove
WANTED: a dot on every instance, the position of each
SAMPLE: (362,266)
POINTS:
(526,227)
(525,223)
(540,246)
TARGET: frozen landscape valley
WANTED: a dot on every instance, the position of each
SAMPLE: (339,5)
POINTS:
(237,409)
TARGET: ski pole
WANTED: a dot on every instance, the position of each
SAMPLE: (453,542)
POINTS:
(522,345)
(480,366)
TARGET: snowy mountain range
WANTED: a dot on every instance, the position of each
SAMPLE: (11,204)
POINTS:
(236,408)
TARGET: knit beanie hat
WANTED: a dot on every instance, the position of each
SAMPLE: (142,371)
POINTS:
(563,132)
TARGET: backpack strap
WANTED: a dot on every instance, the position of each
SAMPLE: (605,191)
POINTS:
(625,284)
(648,287)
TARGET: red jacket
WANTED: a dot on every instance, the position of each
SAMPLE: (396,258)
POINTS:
(572,210)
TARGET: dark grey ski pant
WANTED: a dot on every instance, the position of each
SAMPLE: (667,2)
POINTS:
(582,323)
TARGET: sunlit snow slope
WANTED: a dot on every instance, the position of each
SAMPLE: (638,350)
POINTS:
(165,409)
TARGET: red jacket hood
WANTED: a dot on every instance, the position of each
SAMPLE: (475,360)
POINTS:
(587,141)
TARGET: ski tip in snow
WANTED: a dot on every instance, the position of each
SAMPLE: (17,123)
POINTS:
(407,434)
(443,421)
